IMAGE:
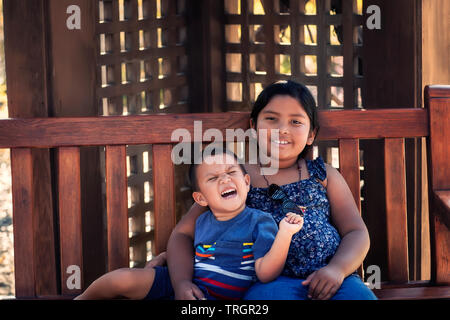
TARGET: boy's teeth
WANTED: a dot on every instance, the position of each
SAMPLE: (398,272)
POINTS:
(227,192)
(281,142)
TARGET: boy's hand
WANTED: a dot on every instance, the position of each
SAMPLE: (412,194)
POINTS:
(186,290)
(159,260)
(292,223)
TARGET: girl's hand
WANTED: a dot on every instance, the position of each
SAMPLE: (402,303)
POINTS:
(291,223)
(324,282)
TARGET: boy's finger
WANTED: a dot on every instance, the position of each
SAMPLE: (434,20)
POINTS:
(198,294)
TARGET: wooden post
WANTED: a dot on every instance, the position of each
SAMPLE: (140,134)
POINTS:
(435,69)
(73,82)
(437,99)
(205,53)
(391,71)
(26,51)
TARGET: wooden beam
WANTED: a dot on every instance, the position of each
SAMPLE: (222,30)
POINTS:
(120,130)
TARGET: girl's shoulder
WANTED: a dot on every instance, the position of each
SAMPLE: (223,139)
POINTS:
(317,168)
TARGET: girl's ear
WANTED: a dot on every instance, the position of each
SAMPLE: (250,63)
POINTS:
(199,198)
(253,127)
(252,124)
(311,137)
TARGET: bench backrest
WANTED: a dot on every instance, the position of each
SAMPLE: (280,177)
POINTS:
(115,132)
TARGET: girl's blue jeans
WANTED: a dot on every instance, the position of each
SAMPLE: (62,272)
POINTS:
(287,288)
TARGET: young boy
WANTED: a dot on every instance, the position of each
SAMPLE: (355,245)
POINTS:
(232,241)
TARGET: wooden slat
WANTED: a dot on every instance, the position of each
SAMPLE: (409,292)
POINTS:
(164,195)
(22,200)
(117,207)
(349,166)
(413,293)
(120,130)
(349,63)
(69,186)
(397,236)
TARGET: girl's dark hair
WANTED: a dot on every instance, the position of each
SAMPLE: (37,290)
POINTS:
(216,151)
(294,90)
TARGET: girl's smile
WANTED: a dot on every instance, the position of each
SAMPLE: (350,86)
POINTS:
(285,115)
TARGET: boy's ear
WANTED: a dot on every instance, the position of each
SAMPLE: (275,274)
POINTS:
(247,181)
(199,198)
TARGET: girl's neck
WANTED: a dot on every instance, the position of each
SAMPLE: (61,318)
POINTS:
(283,164)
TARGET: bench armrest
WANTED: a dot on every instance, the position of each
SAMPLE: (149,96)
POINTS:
(442,205)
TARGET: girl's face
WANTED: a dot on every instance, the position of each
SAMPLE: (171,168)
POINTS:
(285,115)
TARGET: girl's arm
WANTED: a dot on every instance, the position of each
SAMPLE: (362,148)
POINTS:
(180,255)
(354,239)
(269,266)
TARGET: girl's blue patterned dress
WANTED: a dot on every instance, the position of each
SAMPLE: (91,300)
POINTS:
(316,243)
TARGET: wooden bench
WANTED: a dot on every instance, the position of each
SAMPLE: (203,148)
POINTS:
(115,132)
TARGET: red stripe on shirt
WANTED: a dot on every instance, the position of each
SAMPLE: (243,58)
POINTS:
(203,255)
(247,256)
(219,296)
(222,285)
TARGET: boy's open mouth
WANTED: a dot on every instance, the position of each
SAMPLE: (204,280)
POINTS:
(228,193)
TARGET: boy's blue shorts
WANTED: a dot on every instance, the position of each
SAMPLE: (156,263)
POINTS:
(162,287)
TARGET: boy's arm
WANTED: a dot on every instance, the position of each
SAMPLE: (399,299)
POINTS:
(180,255)
(269,266)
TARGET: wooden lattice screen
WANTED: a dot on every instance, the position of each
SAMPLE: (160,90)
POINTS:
(142,65)
(141,69)
(318,43)
(315,42)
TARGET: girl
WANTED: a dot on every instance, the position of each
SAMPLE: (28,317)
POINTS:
(324,255)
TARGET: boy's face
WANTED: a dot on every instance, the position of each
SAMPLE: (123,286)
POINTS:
(222,185)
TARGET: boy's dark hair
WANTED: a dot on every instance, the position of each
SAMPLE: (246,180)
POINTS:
(193,167)
(294,90)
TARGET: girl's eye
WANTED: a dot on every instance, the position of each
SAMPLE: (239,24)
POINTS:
(296,122)
(270,118)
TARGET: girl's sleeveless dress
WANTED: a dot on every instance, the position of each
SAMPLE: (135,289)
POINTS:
(316,243)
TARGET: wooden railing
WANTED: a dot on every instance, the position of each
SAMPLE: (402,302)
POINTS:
(347,126)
